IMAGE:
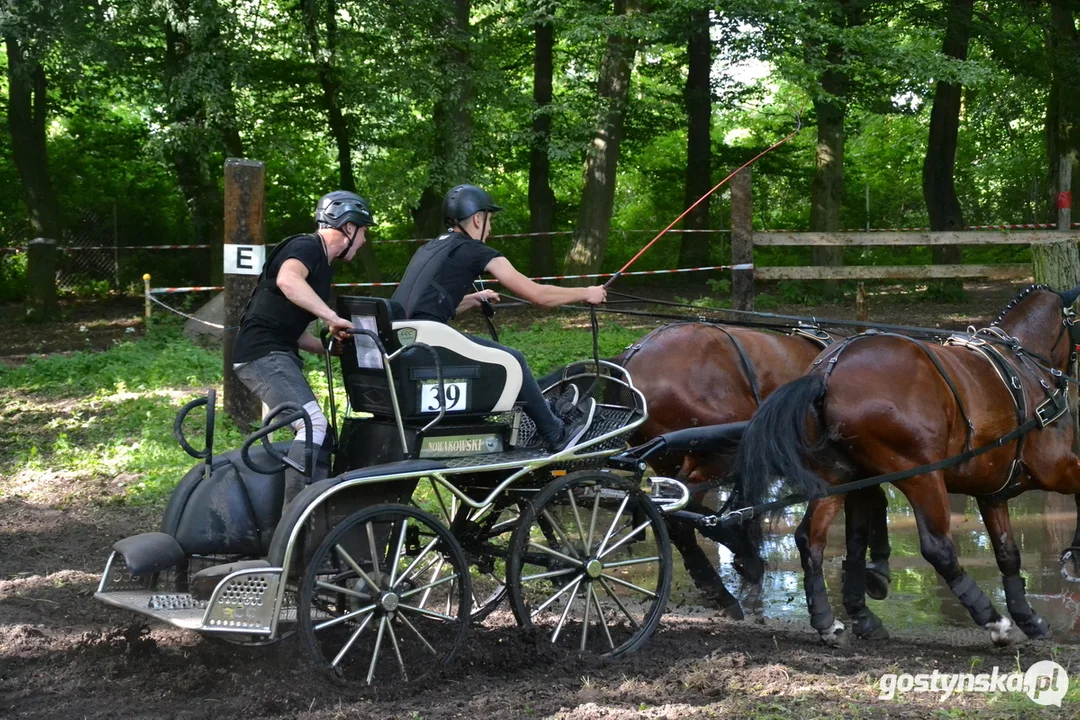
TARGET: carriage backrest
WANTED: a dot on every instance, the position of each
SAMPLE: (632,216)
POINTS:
(478,380)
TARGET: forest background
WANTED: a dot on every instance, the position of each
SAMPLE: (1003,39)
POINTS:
(594,118)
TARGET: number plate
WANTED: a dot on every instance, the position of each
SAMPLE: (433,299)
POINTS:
(457,396)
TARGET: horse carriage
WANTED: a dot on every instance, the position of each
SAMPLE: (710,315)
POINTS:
(438,502)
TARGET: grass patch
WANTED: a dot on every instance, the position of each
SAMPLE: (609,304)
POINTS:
(105,419)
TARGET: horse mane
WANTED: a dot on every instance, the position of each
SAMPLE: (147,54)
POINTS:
(1016,300)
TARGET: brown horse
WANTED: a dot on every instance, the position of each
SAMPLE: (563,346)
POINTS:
(877,404)
(695,374)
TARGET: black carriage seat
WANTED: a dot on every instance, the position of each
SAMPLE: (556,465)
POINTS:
(479,380)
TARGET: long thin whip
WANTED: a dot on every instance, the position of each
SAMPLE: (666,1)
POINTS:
(751,161)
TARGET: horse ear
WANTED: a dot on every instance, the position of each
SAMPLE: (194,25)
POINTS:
(1069,296)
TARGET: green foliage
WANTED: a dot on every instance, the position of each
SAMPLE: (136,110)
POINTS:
(12,276)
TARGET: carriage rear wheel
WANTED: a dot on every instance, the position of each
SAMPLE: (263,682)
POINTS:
(484,535)
(590,564)
(385,597)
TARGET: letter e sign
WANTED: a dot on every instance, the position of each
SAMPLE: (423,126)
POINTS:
(244,259)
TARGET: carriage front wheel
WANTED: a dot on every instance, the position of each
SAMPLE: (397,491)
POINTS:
(590,564)
(386,596)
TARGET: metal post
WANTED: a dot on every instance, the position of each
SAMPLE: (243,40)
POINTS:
(742,240)
(146,293)
(244,252)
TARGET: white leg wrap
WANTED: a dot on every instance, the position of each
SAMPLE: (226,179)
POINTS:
(318,425)
(999,631)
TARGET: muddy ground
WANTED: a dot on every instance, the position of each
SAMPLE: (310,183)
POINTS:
(65,655)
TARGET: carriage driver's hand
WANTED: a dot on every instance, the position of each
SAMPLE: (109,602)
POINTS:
(339,326)
(596,294)
(488,296)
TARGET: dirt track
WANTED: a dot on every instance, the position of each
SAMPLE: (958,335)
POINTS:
(63,654)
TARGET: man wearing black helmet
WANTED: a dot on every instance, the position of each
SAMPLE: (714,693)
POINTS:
(292,291)
(437,286)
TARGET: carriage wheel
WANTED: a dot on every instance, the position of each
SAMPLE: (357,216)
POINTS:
(485,537)
(590,564)
(394,613)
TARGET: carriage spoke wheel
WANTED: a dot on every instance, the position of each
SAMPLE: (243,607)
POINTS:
(590,564)
(485,537)
(385,597)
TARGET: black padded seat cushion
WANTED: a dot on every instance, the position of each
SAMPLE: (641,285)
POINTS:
(706,439)
(276,554)
(234,513)
(150,552)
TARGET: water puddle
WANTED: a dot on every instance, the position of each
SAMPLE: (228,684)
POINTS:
(1043,524)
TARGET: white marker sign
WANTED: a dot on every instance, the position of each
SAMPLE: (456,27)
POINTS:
(244,259)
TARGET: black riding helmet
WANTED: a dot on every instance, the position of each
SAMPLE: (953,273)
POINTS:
(464,201)
(340,207)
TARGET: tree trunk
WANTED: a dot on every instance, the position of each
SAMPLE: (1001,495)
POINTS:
(339,126)
(939,188)
(27,113)
(541,196)
(1063,102)
(827,187)
(452,163)
(694,249)
(602,157)
(190,144)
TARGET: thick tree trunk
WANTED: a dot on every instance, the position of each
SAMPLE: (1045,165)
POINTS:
(27,111)
(190,147)
(827,187)
(323,56)
(1063,103)
(939,188)
(694,250)
(452,163)
(602,157)
(541,196)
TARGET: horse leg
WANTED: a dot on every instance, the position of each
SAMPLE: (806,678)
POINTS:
(1070,557)
(996,518)
(878,577)
(858,509)
(930,502)
(810,538)
(684,537)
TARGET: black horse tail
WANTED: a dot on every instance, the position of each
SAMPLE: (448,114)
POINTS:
(778,443)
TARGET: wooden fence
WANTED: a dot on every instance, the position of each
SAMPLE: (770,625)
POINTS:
(744,240)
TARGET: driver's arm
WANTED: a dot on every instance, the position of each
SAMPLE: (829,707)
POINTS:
(310,343)
(543,295)
(292,281)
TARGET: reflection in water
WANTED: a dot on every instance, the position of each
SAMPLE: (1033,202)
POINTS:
(1042,523)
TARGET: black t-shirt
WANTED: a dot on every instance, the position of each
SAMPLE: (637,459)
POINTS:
(440,274)
(272,322)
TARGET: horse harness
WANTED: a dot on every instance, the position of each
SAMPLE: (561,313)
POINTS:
(811,332)
(985,343)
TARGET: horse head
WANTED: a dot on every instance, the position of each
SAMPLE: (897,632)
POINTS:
(1040,319)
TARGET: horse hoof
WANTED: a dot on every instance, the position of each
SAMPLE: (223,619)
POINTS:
(1034,627)
(1070,564)
(732,612)
(869,628)
(835,636)
(878,580)
(1004,633)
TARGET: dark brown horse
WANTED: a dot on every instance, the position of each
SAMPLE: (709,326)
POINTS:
(878,404)
(696,374)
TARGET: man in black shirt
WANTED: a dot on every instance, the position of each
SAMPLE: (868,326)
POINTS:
(292,291)
(437,286)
